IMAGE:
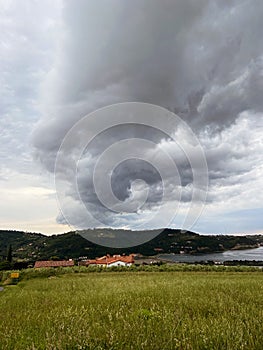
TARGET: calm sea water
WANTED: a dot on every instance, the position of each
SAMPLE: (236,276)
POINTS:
(247,254)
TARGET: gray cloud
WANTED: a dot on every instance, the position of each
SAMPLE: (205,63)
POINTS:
(26,54)
(201,59)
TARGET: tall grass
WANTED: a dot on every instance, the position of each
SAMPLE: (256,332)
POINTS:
(48,272)
(169,310)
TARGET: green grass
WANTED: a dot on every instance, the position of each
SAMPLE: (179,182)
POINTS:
(134,310)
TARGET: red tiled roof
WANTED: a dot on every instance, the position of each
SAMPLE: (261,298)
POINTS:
(50,263)
(107,260)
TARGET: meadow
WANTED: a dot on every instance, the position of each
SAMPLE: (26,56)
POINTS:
(133,310)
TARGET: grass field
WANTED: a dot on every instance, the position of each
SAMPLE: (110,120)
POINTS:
(138,310)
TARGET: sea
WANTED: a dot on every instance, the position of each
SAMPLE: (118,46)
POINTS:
(229,255)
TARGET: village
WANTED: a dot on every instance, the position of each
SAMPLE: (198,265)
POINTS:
(104,261)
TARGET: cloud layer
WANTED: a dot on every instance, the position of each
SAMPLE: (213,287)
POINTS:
(201,59)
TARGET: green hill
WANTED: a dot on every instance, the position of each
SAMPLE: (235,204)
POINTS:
(35,246)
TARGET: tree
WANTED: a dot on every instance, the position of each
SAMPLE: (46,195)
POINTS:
(5,265)
(9,254)
(54,258)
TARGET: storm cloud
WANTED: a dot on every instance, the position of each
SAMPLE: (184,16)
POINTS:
(201,59)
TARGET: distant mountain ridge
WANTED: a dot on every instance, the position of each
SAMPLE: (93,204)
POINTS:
(35,246)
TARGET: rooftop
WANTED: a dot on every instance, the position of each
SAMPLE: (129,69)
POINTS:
(50,263)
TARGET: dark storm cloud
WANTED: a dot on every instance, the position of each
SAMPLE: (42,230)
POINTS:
(199,58)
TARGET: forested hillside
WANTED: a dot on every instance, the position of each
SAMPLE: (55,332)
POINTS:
(35,246)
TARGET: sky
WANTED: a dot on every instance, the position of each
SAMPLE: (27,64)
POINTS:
(61,61)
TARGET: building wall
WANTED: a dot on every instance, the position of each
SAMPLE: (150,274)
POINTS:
(119,263)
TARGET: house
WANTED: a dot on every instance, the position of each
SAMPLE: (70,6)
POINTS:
(50,263)
(110,261)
